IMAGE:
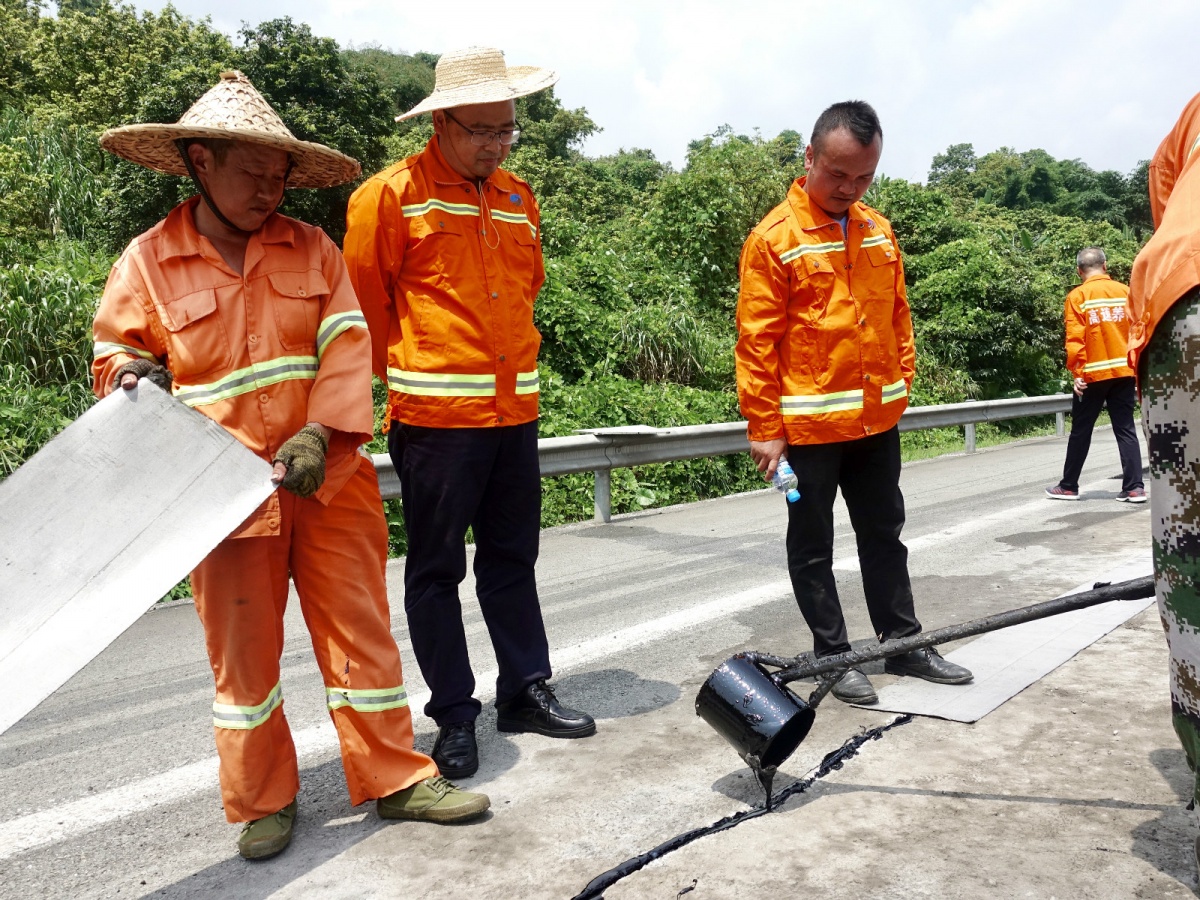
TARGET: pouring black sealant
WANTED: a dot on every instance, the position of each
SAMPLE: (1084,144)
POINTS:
(832,761)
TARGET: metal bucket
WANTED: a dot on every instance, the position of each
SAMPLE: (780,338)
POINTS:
(762,719)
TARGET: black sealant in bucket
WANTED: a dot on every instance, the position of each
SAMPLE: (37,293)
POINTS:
(763,720)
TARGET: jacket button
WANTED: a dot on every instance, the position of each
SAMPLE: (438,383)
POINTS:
(263,398)
(501,357)
(302,292)
(866,378)
(253,339)
(862,321)
(494,295)
(867,429)
(499,418)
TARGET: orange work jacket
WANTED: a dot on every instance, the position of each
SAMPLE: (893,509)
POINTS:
(1169,265)
(447,271)
(261,353)
(1097,325)
(825,347)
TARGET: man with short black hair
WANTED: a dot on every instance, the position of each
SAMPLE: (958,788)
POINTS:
(1097,330)
(825,357)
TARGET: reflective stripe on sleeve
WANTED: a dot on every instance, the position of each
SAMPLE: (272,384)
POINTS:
(374,700)
(251,378)
(805,249)
(102,349)
(1103,364)
(244,718)
(335,325)
(894,391)
(527,382)
(434,384)
(816,404)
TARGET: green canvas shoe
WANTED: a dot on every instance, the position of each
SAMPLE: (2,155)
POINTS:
(269,835)
(433,800)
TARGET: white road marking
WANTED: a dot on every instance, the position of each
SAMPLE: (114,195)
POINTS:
(76,817)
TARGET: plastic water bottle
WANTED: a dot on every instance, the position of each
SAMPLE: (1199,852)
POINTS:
(785,480)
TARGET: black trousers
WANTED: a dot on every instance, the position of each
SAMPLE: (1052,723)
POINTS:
(488,479)
(1119,395)
(868,472)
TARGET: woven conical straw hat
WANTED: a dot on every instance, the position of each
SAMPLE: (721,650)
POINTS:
(232,110)
(479,75)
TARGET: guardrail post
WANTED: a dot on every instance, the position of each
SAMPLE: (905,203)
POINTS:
(1060,423)
(969,432)
(603,494)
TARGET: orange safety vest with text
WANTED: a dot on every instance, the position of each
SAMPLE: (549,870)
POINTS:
(446,272)
(1097,324)
(825,348)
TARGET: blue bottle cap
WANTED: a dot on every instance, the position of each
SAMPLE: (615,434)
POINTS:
(793,495)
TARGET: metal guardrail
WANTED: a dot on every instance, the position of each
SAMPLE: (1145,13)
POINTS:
(604,449)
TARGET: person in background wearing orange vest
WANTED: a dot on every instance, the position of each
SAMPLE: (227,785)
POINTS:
(253,318)
(825,358)
(1097,326)
(1164,349)
(445,253)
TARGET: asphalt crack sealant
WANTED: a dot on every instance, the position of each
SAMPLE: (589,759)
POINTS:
(832,761)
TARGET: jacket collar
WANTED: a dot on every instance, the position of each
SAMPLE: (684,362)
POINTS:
(812,216)
(1103,275)
(445,174)
(180,237)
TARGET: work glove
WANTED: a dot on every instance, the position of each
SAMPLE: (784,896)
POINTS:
(159,376)
(304,455)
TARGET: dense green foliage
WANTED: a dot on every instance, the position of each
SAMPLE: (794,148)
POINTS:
(641,259)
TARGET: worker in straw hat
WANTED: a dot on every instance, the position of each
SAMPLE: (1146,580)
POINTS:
(251,316)
(443,249)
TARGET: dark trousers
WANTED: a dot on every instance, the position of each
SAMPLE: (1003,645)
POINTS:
(868,472)
(488,479)
(1119,395)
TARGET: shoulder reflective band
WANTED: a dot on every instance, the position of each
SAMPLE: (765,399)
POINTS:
(246,717)
(374,700)
(527,382)
(101,349)
(818,404)
(1102,301)
(1103,364)
(251,378)
(454,209)
(433,384)
(335,325)
(876,240)
(805,249)
(466,209)
(894,391)
(514,219)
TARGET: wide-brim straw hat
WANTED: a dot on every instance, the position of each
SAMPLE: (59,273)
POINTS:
(479,75)
(233,110)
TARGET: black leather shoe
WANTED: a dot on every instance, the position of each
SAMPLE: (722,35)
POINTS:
(927,663)
(536,709)
(854,687)
(455,750)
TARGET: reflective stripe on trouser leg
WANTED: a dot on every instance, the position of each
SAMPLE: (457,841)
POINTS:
(1171,418)
(339,553)
(241,591)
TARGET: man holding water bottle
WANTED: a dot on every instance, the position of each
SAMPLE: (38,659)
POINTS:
(825,357)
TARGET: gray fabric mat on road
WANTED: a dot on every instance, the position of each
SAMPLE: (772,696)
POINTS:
(1007,661)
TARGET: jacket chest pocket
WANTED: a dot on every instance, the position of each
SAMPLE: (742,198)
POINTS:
(198,342)
(296,299)
(880,273)
(437,246)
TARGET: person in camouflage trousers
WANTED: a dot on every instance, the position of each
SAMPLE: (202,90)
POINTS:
(1164,349)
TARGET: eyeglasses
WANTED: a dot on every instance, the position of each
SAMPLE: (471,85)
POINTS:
(507,138)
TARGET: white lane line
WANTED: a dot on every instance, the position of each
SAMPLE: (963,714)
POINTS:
(78,816)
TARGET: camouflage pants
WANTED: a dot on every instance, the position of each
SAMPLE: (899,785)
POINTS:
(1170,383)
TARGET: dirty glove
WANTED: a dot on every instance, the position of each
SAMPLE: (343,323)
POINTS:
(304,456)
(159,376)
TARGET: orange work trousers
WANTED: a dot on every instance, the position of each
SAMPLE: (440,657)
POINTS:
(336,555)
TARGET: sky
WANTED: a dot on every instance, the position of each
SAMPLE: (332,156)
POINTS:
(1102,81)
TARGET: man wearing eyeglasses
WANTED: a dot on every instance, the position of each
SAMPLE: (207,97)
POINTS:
(443,249)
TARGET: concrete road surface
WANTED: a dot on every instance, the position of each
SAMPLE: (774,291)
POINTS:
(1074,788)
